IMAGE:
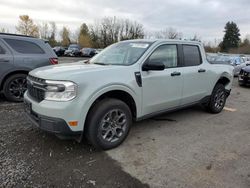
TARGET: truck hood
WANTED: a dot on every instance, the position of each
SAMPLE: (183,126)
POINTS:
(68,71)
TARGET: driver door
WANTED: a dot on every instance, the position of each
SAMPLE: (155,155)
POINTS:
(162,90)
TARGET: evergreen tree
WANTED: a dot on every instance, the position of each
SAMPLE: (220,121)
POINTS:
(65,36)
(84,36)
(231,38)
(52,37)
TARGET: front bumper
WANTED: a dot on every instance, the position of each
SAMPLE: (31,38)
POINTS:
(48,124)
(244,79)
(54,116)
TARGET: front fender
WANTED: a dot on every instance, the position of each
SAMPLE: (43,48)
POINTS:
(230,77)
(99,92)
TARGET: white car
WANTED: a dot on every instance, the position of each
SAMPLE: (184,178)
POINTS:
(129,81)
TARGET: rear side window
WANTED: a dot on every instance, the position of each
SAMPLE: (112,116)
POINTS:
(192,56)
(24,47)
(2,51)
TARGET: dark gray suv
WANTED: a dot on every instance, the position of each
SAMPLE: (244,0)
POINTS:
(19,55)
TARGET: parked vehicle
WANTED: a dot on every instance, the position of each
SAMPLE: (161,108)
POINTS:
(219,59)
(246,58)
(244,75)
(129,81)
(238,63)
(98,50)
(59,50)
(19,55)
(88,52)
(73,50)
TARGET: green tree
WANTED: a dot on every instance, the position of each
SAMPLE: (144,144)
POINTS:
(84,37)
(26,26)
(65,36)
(231,38)
(52,37)
(84,30)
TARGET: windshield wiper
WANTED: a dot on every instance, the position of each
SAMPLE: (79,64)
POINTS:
(87,61)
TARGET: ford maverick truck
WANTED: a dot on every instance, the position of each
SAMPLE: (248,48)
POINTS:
(128,81)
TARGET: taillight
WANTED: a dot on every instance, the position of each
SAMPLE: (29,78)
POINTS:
(53,61)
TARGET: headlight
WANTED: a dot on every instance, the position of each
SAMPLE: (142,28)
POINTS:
(60,90)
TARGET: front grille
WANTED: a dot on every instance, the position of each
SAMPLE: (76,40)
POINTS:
(36,88)
(244,73)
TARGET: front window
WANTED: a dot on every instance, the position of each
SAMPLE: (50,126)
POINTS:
(123,53)
(166,54)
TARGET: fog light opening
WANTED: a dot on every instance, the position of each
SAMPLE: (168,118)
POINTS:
(73,123)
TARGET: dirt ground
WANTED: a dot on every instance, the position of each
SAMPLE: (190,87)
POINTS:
(32,158)
(188,148)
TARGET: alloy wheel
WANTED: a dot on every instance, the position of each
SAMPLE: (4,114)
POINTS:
(219,99)
(113,125)
(17,87)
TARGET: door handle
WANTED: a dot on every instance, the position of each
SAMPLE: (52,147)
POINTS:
(4,60)
(175,74)
(201,70)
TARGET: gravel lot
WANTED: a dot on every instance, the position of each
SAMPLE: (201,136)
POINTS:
(188,148)
(32,158)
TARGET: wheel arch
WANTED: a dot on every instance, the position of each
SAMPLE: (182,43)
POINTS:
(224,79)
(6,76)
(121,93)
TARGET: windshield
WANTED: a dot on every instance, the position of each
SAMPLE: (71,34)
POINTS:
(123,53)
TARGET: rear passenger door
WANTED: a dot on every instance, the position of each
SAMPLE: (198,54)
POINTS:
(195,75)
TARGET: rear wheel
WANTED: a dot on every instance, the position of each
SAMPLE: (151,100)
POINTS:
(217,99)
(108,123)
(14,87)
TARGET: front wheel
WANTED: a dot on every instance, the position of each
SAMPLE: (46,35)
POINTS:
(108,123)
(217,99)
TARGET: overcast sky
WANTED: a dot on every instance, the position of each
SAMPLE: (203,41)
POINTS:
(206,18)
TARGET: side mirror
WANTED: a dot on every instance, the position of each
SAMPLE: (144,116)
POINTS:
(156,66)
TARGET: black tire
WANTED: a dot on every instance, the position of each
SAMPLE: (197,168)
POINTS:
(14,87)
(241,84)
(217,99)
(102,113)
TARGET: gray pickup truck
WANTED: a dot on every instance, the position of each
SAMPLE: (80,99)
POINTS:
(128,81)
(18,55)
